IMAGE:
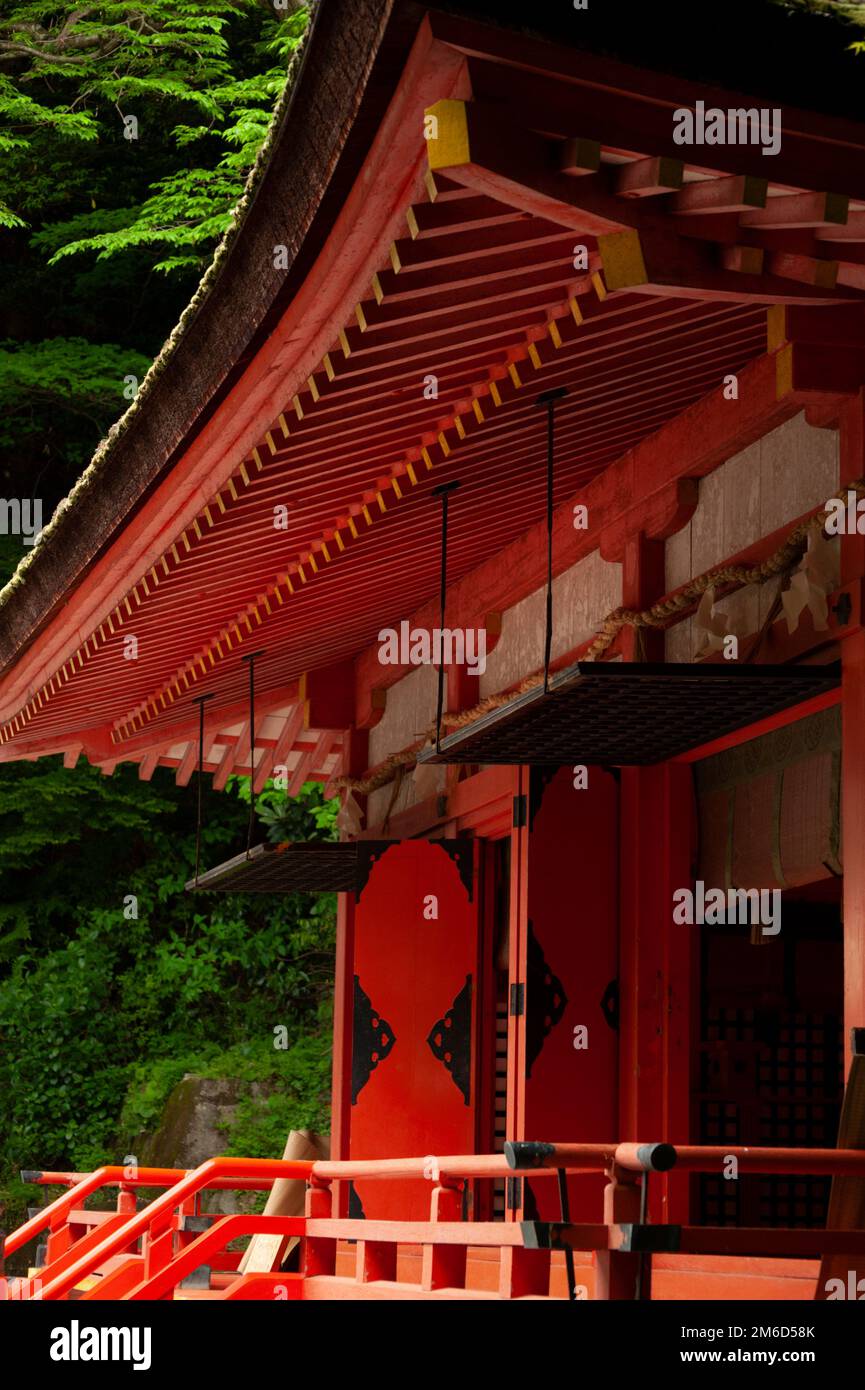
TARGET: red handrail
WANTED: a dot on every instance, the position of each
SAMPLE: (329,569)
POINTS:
(259,1173)
(107,1176)
(694,1158)
(583,1157)
(85,1184)
(263,1171)
(540,1159)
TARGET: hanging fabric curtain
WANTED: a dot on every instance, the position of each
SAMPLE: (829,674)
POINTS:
(769,811)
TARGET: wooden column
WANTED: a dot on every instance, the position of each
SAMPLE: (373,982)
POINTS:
(655,957)
(519,911)
(643,583)
(355,755)
(853,745)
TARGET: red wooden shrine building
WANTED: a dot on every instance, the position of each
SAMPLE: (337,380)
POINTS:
(493,251)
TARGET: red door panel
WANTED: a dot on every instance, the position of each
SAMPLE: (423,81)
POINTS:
(569,963)
(414,1018)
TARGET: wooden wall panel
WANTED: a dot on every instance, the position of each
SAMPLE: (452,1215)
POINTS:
(414,1031)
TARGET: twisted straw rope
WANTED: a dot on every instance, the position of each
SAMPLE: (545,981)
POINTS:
(659,615)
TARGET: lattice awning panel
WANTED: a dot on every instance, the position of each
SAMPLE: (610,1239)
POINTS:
(624,714)
(285,868)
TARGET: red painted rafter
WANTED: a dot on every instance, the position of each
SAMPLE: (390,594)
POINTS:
(310,625)
(500,159)
(183,611)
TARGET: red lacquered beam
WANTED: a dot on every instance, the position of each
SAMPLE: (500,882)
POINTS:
(554,1235)
(702,1159)
(640,1158)
(591,1157)
(432,1167)
(146,1177)
(659,1158)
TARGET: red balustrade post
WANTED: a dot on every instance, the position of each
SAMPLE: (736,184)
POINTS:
(319,1252)
(617,1272)
(444,1266)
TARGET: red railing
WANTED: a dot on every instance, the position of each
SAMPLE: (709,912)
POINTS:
(147,1254)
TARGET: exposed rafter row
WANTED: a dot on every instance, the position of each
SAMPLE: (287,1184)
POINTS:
(170,559)
(461,426)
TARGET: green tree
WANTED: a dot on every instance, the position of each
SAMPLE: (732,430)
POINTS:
(114,981)
(127,132)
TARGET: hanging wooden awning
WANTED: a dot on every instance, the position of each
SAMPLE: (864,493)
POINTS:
(624,714)
(317,867)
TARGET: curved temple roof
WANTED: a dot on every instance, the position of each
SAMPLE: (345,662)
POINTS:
(270,489)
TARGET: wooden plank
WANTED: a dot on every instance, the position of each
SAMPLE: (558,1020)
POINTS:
(852,230)
(287,1197)
(769,1241)
(493,1234)
(739,193)
(446,218)
(807,270)
(147,766)
(225,767)
(645,178)
(853,275)
(799,210)
(732,1286)
(743,260)
(189,762)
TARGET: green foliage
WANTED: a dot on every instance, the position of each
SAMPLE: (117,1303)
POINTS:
(101,1013)
(79,385)
(84,76)
(299,1099)
(309,817)
(104,237)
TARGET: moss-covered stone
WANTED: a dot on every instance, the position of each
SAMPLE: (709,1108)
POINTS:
(196,1118)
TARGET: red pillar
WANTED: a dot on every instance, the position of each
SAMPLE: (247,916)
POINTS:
(656,957)
(355,756)
(853,745)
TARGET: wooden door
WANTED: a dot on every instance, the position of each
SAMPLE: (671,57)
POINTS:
(569,965)
(414,1030)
